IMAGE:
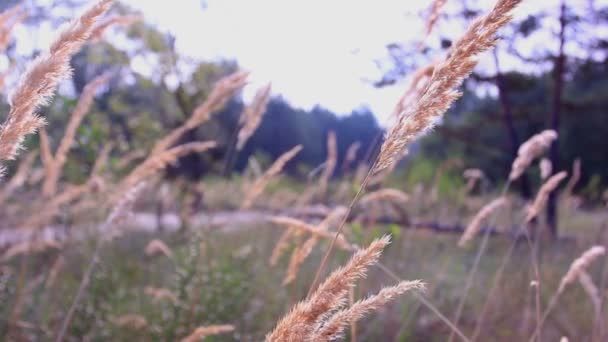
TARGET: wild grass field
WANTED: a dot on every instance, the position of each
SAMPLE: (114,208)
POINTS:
(424,250)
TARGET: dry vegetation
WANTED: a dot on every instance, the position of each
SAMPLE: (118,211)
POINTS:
(261,274)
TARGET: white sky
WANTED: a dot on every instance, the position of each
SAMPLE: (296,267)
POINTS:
(313,51)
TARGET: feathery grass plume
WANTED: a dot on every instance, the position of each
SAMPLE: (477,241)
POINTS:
(302,252)
(543,195)
(38,83)
(260,184)
(580,265)
(9,19)
(592,291)
(223,90)
(417,84)
(296,224)
(576,176)
(130,157)
(157,247)
(133,321)
(52,207)
(351,155)
(20,176)
(330,162)
(102,159)
(577,267)
(530,150)
(118,214)
(159,161)
(300,322)
(475,226)
(441,91)
(160,294)
(546,168)
(119,20)
(334,326)
(29,247)
(389,194)
(434,14)
(281,246)
(201,332)
(49,187)
(252,116)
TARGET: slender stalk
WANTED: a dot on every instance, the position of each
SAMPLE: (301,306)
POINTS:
(323,264)
(476,262)
(428,304)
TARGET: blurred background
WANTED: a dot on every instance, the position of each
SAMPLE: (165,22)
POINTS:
(333,66)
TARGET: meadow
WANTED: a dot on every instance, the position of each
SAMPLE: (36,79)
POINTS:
(421,251)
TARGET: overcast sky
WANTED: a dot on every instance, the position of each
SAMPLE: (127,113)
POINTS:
(313,51)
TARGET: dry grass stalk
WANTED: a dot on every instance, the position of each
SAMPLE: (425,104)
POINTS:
(530,150)
(52,207)
(351,155)
(20,176)
(333,327)
(57,267)
(580,265)
(476,224)
(260,184)
(386,194)
(9,19)
(434,14)
(296,224)
(299,324)
(252,116)
(592,291)
(29,247)
(38,83)
(159,161)
(330,163)
(102,159)
(576,176)
(546,168)
(160,294)
(157,247)
(442,86)
(281,246)
(201,332)
(416,86)
(543,195)
(300,254)
(221,93)
(120,20)
(133,321)
(56,162)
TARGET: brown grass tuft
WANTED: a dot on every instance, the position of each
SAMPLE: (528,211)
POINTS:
(442,91)
(54,164)
(530,150)
(119,20)
(475,226)
(38,83)
(330,163)
(157,247)
(201,332)
(9,19)
(334,326)
(260,184)
(546,168)
(252,116)
(160,294)
(580,265)
(299,323)
(543,195)
(222,92)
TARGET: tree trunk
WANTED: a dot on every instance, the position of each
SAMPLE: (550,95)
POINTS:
(507,112)
(558,85)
